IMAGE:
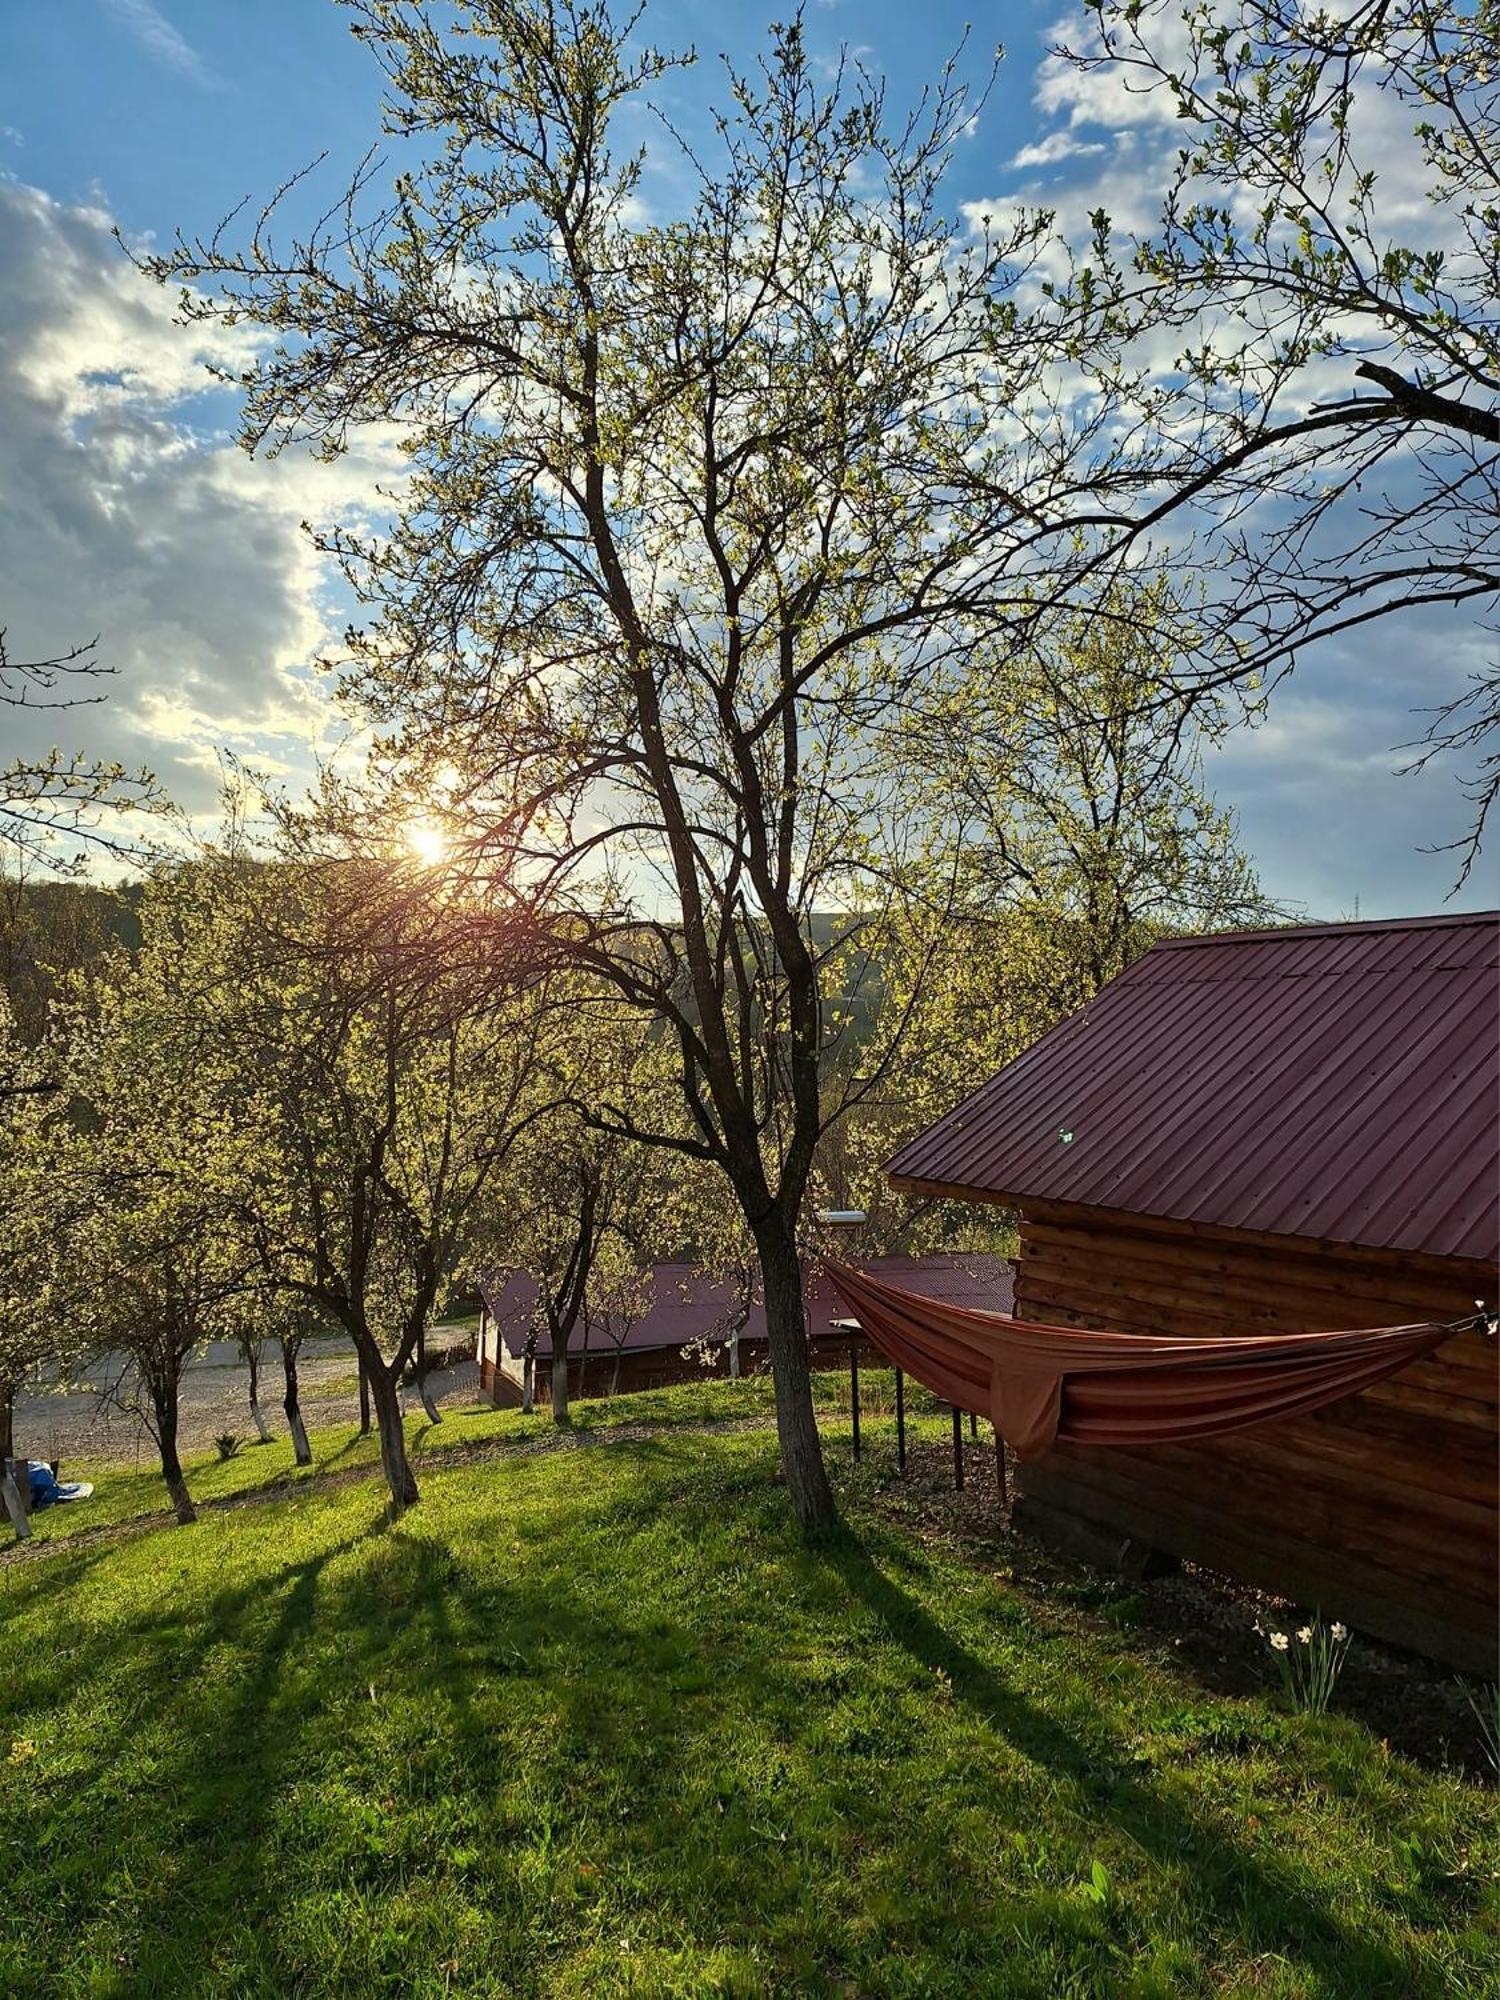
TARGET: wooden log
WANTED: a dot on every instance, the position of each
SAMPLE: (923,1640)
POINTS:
(1243,1301)
(1074,1303)
(1401,1537)
(1311,1278)
(1447,1624)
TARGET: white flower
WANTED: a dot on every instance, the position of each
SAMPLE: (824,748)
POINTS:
(1279,1642)
(1304,1636)
(1339,1631)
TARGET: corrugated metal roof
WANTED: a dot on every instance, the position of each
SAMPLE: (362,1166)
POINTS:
(1338,1081)
(689,1305)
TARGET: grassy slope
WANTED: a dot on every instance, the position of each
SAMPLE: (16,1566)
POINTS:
(593,1722)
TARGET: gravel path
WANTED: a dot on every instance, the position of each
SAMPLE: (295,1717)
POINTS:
(77,1424)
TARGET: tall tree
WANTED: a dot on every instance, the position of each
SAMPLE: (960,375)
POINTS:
(383,1087)
(145,1176)
(583,1206)
(695,506)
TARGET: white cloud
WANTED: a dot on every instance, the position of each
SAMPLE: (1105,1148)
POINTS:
(156,34)
(1332,816)
(127,511)
(1055,148)
(1112,96)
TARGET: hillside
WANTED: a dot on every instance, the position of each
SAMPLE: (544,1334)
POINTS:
(591,1721)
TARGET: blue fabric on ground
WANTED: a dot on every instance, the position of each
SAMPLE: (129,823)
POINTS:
(44,1487)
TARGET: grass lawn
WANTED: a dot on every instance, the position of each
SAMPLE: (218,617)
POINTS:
(595,1722)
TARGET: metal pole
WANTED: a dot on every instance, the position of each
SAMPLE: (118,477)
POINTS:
(854,1392)
(958,1449)
(974,1425)
(900,1421)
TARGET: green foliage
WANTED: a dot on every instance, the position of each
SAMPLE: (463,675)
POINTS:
(145,1172)
(1073,830)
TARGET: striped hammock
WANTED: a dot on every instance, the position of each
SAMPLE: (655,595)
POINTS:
(1045,1385)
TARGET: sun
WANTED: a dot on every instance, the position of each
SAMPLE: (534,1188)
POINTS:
(428,843)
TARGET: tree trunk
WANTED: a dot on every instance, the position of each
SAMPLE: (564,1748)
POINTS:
(786,1334)
(734,1355)
(421,1371)
(528,1381)
(364,1400)
(560,1413)
(17,1503)
(252,1358)
(386,1398)
(291,1402)
(171,1465)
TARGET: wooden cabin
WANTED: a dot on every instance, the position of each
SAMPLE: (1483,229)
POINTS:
(1274,1131)
(692,1322)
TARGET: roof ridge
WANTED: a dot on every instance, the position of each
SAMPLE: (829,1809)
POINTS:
(1356,927)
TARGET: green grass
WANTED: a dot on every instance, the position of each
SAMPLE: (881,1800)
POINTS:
(596,1722)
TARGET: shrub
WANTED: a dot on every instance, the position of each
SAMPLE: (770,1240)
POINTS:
(227,1445)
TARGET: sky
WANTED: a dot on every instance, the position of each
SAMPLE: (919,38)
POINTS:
(126,509)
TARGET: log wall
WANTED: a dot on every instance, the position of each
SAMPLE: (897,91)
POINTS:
(1383,1509)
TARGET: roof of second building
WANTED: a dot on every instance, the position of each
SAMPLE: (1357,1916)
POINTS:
(1338,1081)
(689,1304)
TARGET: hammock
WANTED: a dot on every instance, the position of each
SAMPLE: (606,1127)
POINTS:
(1045,1385)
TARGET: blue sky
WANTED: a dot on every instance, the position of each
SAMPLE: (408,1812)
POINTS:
(125,510)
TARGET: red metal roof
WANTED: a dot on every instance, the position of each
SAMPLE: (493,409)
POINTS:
(1337,1081)
(689,1305)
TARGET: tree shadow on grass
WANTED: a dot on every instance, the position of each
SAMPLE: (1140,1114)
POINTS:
(556,1678)
(1238,1893)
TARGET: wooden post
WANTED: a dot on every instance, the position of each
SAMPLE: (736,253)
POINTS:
(900,1421)
(974,1425)
(854,1391)
(15,1490)
(958,1449)
(1000,1485)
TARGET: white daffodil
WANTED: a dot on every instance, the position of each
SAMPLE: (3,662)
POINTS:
(1339,1631)
(1279,1642)
(1304,1635)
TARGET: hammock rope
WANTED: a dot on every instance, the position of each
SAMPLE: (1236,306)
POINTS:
(1044,1385)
